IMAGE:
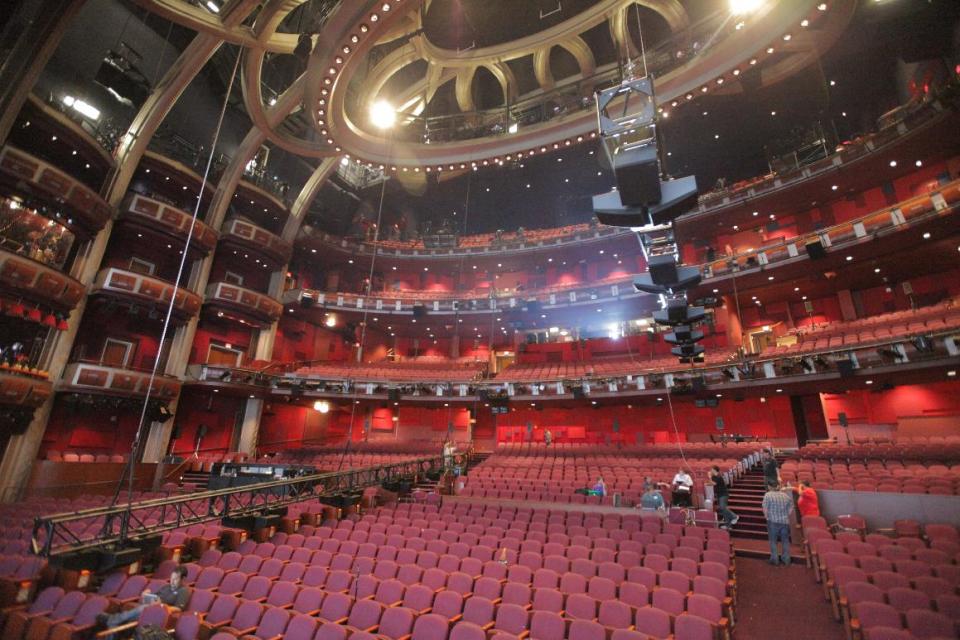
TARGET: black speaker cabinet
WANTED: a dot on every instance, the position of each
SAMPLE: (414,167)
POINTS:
(815,250)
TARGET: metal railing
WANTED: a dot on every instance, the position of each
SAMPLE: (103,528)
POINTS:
(125,523)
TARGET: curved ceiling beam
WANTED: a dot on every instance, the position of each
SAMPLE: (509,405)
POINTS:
(388,67)
(204,22)
(733,51)
(267,120)
(464,89)
(541,68)
(508,81)
(671,11)
(308,193)
(181,73)
(620,33)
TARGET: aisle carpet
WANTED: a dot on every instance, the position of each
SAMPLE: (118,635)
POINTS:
(776,603)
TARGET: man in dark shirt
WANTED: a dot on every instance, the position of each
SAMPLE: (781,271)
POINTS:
(722,494)
(174,594)
(771,471)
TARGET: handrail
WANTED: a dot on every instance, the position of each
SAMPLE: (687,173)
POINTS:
(124,523)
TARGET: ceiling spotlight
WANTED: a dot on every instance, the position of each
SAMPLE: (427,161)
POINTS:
(322,406)
(740,7)
(382,114)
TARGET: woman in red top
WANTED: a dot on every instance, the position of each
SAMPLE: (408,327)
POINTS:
(807,502)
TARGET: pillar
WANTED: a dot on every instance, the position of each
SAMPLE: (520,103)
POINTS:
(250,426)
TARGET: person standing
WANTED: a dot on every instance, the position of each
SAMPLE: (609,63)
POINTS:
(547,437)
(808,504)
(771,470)
(722,493)
(682,489)
(652,500)
(777,507)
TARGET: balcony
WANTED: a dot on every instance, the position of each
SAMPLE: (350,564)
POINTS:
(168,219)
(139,287)
(23,390)
(251,237)
(478,245)
(250,307)
(92,377)
(40,179)
(938,207)
(38,282)
(439,302)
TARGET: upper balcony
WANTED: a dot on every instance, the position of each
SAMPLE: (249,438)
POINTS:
(879,235)
(477,245)
(246,306)
(168,219)
(928,131)
(248,236)
(93,377)
(142,288)
(39,282)
(77,144)
(28,175)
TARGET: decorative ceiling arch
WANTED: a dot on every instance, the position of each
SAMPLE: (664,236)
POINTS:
(577,47)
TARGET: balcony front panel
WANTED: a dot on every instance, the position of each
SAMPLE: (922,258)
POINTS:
(40,179)
(23,391)
(131,285)
(253,305)
(168,219)
(38,282)
(251,237)
(103,379)
(403,302)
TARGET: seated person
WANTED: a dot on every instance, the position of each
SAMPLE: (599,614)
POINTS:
(652,500)
(682,489)
(600,488)
(175,594)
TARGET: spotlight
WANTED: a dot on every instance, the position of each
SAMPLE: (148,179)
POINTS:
(741,7)
(382,114)
(322,406)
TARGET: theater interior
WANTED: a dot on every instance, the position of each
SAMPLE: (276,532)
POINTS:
(390,319)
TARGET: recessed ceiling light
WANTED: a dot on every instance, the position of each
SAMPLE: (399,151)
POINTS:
(893,163)
(869,382)
(919,163)
(926,235)
(849,258)
(834,187)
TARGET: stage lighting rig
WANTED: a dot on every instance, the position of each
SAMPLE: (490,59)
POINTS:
(643,200)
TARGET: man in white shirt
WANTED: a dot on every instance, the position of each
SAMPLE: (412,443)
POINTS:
(682,489)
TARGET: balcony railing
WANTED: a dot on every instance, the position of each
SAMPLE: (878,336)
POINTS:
(143,288)
(258,239)
(896,356)
(93,377)
(907,125)
(42,180)
(472,245)
(168,219)
(471,301)
(942,201)
(38,282)
(23,390)
(253,305)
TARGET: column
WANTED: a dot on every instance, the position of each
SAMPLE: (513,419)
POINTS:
(22,449)
(250,426)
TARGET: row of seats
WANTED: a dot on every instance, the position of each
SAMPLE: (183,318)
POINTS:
(608,367)
(76,456)
(946,451)
(395,371)
(891,476)
(487,239)
(903,585)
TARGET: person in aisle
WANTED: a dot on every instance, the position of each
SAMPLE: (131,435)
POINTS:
(777,508)
(808,504)
(771,470)
(722,495)
(547,437)
(682,489)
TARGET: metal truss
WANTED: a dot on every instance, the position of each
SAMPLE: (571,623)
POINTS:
(128,523)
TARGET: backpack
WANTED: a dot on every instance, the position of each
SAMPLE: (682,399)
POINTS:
(152,632)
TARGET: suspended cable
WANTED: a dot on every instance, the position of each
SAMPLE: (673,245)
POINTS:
(129,469)
(366,309)
(643,50)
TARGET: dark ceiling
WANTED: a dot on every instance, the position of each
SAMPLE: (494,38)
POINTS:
(730,137)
